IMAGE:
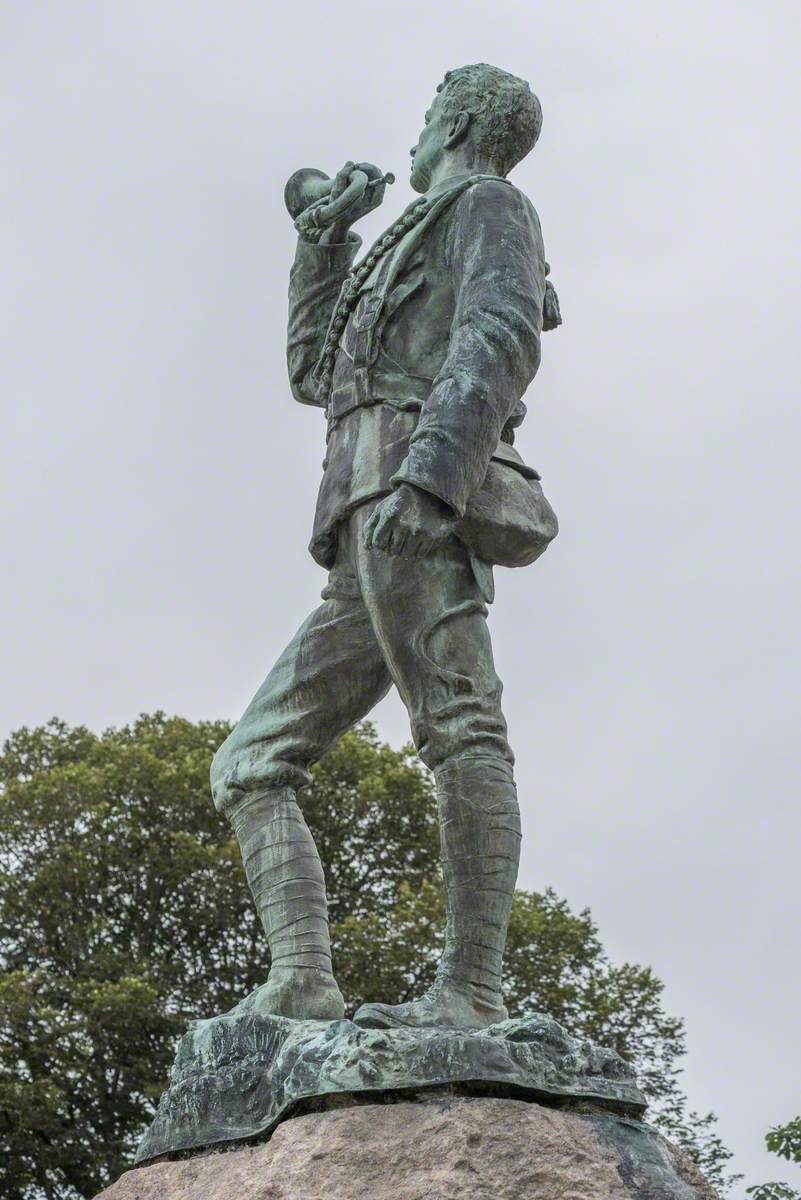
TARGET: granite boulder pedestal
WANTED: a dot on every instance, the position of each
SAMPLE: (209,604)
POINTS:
(440,1146)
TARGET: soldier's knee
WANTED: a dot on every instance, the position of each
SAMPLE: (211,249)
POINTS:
(466,740)
(240,768)
(491,764)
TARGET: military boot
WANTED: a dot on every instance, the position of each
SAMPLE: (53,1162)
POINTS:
(286,879)
(480,837)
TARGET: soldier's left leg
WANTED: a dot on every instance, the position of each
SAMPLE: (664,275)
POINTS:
(429,616)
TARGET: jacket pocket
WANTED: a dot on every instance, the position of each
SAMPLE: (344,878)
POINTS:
(400,294)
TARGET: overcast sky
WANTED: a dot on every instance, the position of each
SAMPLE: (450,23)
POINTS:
(158,482)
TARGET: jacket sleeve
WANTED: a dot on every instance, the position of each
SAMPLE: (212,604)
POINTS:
(315,280)
(495,257)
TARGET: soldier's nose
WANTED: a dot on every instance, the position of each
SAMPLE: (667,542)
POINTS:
(413,151)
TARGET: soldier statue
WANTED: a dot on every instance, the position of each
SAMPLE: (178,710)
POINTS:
(420,355)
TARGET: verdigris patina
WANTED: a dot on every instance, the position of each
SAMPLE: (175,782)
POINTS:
(420,355)
(237,1076)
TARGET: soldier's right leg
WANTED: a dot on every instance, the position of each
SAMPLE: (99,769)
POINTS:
(330,676)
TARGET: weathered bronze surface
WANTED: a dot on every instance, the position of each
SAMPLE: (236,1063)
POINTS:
(420,355)
(235,1077)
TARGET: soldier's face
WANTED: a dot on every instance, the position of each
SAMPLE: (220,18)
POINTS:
(430,148)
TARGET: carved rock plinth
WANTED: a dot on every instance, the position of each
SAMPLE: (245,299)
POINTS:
(236,1076)
(446,1148)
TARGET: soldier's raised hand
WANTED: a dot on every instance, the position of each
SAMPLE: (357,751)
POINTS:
(365,200)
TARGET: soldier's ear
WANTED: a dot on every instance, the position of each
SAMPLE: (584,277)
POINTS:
(457,129)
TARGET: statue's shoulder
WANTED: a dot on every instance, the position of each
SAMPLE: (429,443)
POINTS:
(491,198)
(491,193)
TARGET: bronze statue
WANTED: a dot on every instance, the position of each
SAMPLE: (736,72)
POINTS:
(420,355)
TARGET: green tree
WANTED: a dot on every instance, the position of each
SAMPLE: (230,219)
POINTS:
(124,912)
(784,1140)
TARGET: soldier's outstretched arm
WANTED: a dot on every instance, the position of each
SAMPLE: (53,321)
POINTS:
(497,263)
(317,275)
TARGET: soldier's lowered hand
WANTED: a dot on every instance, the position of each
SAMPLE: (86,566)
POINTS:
(409,523)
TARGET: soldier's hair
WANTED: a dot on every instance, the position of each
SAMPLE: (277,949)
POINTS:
(506,113)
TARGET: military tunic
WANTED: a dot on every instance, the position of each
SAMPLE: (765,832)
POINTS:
(428,379)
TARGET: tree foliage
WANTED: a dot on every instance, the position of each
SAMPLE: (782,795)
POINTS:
(784,1140)
(124,913)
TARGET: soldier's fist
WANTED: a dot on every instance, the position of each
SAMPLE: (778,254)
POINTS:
(409,523)
(364,202)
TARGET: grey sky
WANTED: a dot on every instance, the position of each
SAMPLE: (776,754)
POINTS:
(158,482)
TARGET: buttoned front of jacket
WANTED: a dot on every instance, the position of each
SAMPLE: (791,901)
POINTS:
(431,369)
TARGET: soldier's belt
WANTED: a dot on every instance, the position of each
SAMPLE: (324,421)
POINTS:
(406,392)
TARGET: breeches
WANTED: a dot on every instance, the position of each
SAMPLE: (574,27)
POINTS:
(418,623)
